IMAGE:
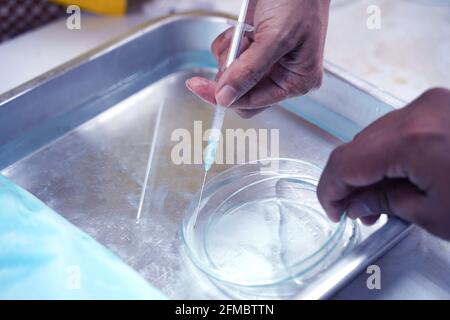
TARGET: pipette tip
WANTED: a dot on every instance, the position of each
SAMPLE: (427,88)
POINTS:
(200,199)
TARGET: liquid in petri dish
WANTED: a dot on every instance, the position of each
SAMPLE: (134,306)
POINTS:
(258,243)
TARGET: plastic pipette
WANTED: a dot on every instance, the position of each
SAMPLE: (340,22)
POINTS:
(219,111)
(150,159)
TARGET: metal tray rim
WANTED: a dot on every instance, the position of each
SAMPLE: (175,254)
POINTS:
(152,24)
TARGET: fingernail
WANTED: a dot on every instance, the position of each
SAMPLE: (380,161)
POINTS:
(188,84)
(227,96)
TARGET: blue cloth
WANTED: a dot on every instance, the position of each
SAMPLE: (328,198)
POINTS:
(43,256)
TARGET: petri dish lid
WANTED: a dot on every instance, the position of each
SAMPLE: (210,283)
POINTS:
(260,225)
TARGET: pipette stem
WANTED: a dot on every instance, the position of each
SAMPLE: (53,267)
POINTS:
(219,112)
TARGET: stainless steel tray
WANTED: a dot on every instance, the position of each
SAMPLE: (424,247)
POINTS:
(78,139)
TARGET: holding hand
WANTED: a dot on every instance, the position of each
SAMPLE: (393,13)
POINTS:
(399,165)
(282,58)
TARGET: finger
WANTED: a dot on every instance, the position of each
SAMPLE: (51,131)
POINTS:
(270,91)
(204,88)
(264,94)
(279,84)
(358,164)
(247,70)
(247,114)
(303,66)
(223,56)
(406,201)
(370,220)
(368,201)
(294,82)
(397,197)
(221,44)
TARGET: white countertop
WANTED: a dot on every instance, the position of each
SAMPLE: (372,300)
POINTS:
(409,54)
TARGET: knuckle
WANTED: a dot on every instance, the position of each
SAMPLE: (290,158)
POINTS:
(421,141)
(305,79)
(337,156)
(295,84)
(282,93)
(433,99)
(414,141)
(291,85)
(420,146)
(439,92)
(311,83)
(312,65)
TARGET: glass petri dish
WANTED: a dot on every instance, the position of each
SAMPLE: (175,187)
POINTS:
(261,231)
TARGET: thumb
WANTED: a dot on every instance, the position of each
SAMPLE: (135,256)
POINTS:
(393,197)
(247,70)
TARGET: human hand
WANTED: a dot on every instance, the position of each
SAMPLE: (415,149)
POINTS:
(399,165)
(282,58)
